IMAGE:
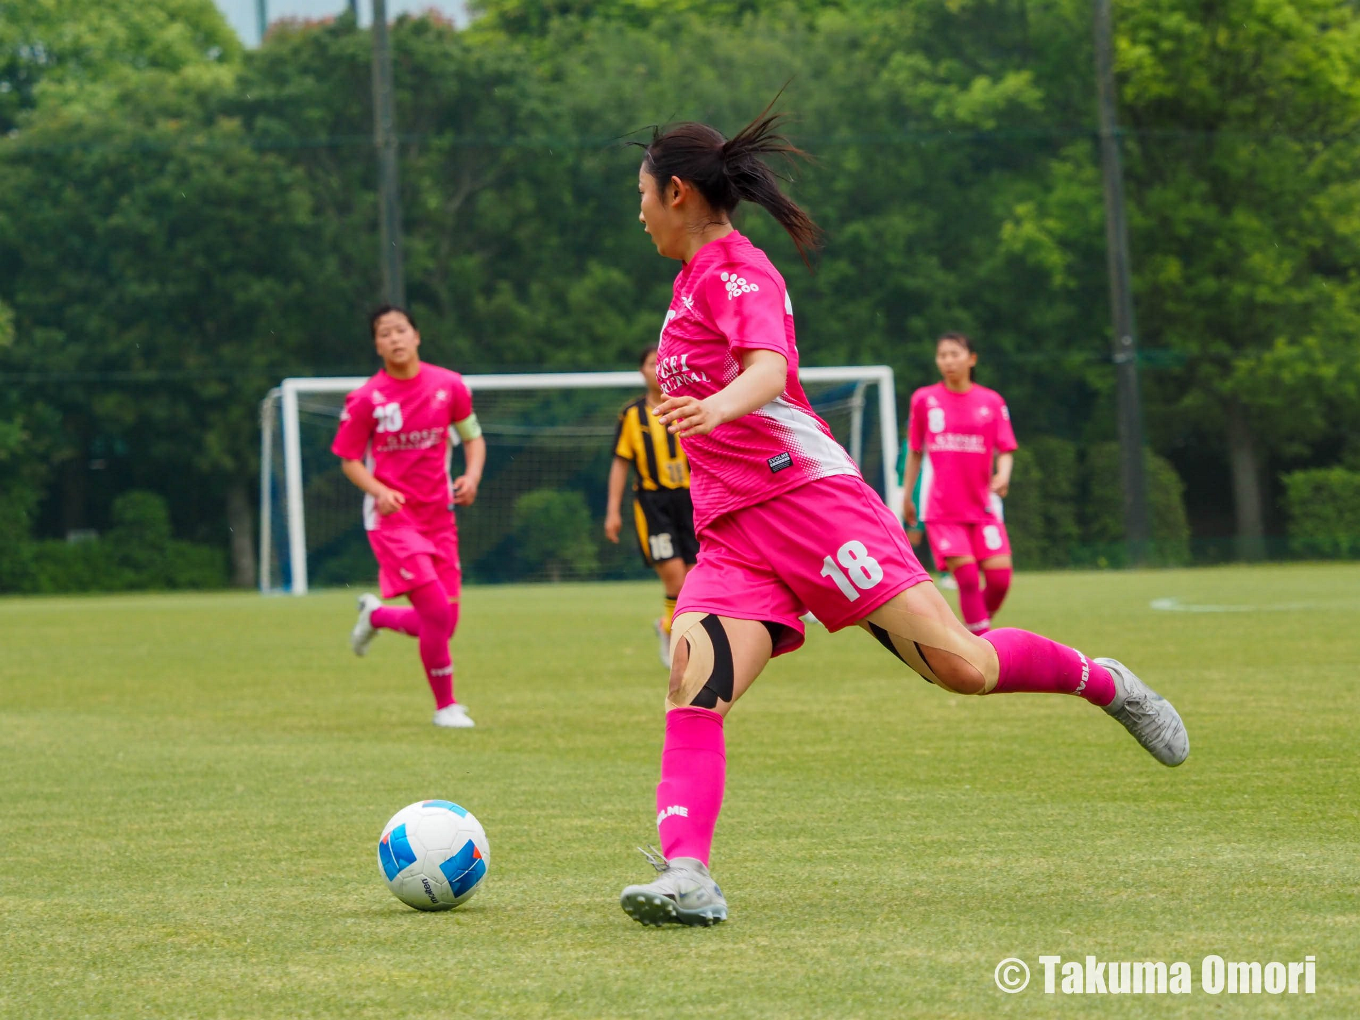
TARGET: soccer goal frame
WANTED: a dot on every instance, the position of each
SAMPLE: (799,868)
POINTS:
(282,401)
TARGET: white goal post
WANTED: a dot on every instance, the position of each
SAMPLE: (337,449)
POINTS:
(300,404)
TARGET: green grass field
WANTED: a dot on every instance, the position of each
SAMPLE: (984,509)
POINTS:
(193,787)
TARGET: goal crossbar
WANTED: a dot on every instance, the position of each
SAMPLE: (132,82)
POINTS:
(288,392)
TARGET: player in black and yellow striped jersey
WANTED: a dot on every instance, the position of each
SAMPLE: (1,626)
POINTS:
(662,512)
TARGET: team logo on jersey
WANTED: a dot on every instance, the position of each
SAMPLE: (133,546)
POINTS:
(737,285)
(671,313)
(440,396)
(688,302)
(984,413)
(779,462)
(377,397)
(935,419)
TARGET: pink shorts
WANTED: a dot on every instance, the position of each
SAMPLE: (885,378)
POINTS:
(830,546)
(411,557)
(979,539)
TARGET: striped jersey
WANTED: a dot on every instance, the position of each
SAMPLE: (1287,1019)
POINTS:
(655,454)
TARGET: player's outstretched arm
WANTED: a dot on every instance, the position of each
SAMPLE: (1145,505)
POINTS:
(389,500)
(764,376)
(1001,481)
(613,516)
(909,509)
(465,485)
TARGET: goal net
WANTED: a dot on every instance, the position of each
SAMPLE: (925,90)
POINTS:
(539,513)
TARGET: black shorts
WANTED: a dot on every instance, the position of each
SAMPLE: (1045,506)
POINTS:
(665,525)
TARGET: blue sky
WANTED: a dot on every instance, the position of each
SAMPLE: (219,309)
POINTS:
(242,13)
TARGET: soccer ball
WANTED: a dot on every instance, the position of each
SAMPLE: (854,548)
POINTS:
(433,855)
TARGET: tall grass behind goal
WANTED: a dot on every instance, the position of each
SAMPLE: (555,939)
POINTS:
(539,513)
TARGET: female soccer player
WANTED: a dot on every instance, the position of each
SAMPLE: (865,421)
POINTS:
(785,520)
(662,510)
(960,429)
(393,443)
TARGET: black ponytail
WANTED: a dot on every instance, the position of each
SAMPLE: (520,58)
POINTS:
(727,172)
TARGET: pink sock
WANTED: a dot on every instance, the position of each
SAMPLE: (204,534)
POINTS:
(972,607)
(1030,662)
(998,583)
(398,618)
(693,774)
(436,627)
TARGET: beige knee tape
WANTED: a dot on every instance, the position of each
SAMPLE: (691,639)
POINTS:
(698,667)
(908,630)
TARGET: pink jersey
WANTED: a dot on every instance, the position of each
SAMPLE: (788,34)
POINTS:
(960,433)
(400,429)
(730,299)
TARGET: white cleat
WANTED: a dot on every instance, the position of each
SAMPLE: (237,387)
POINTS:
(665,643)
(364,632)
(1153,721)
(454,717)
(683,893)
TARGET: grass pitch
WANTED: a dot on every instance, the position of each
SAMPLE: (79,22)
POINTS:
(193,786)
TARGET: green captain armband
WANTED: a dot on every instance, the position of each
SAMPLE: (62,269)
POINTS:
(469,428)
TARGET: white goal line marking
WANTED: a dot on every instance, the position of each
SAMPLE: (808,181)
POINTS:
(1175,605)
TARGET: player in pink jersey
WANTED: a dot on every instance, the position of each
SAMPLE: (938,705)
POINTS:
(956,432)
(393,444)
(785,521)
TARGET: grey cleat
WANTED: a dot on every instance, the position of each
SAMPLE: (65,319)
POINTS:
(364,632)
(1152,720)
(684,893)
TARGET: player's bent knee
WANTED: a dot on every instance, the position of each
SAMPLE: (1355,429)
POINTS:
(958,675)
(940,650)
(702,672)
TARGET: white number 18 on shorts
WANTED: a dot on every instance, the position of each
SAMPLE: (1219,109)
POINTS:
(861,572)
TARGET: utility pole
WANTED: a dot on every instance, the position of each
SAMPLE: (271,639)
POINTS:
(262,17)
(385,140)
(354,10)
(1129,410)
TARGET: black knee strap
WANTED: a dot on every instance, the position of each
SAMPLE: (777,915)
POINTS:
(719,686)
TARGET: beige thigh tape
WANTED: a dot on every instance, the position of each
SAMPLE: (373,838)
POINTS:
(908,630)
(698,666)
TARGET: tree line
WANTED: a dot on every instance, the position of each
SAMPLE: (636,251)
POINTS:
(185,222)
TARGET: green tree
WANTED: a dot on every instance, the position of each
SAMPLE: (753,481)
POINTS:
(64,52)
(1245,223)
(172,254)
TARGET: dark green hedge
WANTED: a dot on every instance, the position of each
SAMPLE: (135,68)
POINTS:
(136,554)
(1324,512)
(1065,507)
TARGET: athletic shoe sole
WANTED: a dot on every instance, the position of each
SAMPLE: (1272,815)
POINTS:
(657,910)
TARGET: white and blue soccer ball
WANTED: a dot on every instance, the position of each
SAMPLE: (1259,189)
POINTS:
(433,855)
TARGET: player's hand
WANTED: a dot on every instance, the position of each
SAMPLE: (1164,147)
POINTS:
(909,512)
(389,501)
(465,490)
(1001,486)
(613,523)
(687,416)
